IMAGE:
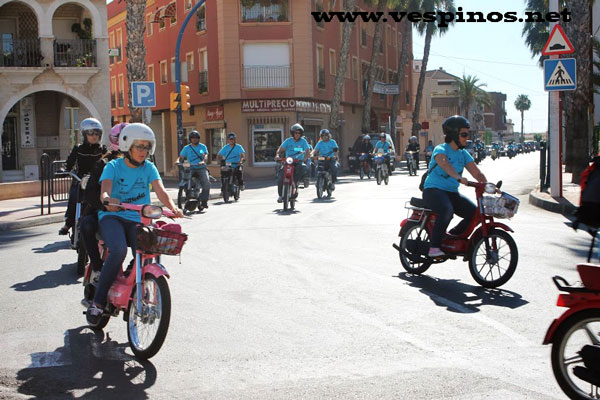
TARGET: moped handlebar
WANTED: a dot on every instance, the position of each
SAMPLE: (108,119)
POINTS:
(74,176)
(145,210)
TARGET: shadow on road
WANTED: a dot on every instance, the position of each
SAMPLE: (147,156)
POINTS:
(90,365)
(8,238)
(66,275)
(280,211)
(460,297)
(53,247)
(324,200)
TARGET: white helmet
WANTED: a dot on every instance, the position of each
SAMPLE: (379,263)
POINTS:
(91,125)
(133,132)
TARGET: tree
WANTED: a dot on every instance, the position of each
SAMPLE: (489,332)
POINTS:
(522,103)
(429,29)
(135,49)
(349,6)
(470,92)
(377,39)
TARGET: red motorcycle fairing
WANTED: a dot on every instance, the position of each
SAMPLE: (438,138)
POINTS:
(288,173)
(584,305)
(121,290)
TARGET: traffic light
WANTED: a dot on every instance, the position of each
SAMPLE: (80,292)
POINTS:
(175,100)
(185,97)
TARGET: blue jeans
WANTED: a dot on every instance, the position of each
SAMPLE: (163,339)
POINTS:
(445,204)
(89,226)
(116,233)
(299,173)
(202,175)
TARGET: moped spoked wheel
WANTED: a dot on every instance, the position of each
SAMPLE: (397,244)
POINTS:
(147,328)
(361,173)
(286,196)
(495,268)
(320,184)
(293,196)
(577,331)
(226,191)
(413,262)
(329,191)
(236,192)
(387,178)
(82,258)
(181,197)
(379,176)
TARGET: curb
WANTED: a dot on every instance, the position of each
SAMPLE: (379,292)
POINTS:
(560,206)
(54,218)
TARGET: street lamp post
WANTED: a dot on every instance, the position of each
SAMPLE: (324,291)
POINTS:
(178,111)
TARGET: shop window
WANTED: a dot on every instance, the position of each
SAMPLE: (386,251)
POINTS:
(266,139)
(217,138)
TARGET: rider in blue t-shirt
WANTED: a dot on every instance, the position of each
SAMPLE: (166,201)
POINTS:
(384,147)
(197,154)
(235,154)
(328,147)
(440,192)
(125,180)
(298,148)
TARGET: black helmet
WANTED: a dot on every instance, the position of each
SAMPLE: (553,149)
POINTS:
(194,134)
(231,136)
(452,126)
(324,132)
(296,127)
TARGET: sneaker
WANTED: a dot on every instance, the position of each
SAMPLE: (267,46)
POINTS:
(64,230)
(204,204)
(435,252)
(95,278)
(243,187)
(280,199)
(306,183)
(93,314)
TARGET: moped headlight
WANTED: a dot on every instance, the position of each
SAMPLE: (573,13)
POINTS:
(186,165)
(152,211)
(289,160)
(490,188)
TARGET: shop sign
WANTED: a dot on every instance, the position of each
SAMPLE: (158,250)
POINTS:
(27,123)
(214,113)
(282,105)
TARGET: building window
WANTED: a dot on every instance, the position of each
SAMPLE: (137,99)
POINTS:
(164,78)
(332,62)
(201,19)
(266,65)
(119,58)
(161,25)
(121,91)
(217,138)
(363,36)
(187,4)
(264,10)
(149,25)
(266,139)
(111,44)
(202,71)
(151,72)
(189,59)
(113,92)
(319,9)
(355,68)
(173,19)
(320,68)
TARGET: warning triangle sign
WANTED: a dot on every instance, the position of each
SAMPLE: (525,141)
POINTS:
(560,77)
(557,43)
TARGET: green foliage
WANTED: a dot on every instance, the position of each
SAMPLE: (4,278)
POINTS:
(86,31)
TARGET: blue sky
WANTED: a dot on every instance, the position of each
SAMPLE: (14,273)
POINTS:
(496,53)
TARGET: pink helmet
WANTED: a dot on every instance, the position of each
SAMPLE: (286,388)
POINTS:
(114,135)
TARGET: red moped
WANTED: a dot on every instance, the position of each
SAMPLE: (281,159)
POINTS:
(290,188)
(486,244)
(142,293)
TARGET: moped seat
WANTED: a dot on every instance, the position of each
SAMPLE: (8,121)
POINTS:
(590,275)
(417,202)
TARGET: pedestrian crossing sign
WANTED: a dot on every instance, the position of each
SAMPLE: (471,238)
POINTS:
(560,74)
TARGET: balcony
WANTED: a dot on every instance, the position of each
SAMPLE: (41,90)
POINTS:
(203,82)
(258,12)
(75,53)
(20,52)
(267,76)
(321,78)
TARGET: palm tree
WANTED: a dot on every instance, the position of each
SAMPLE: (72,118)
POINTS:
(135,49)
(429,29)
(470,92)
(349,6)
(522,103)
(377,39)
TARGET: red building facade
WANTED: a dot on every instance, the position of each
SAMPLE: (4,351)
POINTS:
(255,68)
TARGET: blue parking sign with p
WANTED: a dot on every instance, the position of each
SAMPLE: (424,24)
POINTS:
(143,94)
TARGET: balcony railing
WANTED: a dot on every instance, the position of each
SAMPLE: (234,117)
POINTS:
(259,13)
(75,53)
(202,81)
(321,78)
(20,53)
(267,76)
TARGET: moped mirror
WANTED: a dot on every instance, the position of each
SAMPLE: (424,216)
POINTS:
(499,184)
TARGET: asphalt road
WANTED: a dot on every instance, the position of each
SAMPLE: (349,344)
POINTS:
(310,304)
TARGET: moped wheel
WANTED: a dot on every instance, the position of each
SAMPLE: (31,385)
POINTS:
(361,172)
(369,173)
(577,331)
(386,180)
(496,268)
(328,183)
(293,196)
(378,176)
(319,186)
(236,192)
(226,191)
(286,196)
(181,198)
(414,262)
(82,258)
(147,328)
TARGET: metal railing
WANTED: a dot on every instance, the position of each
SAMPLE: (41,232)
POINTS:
(75,53)
(200,24)
(202,81)
(267,76)
(260,13)
(55,182)
(20,53)
(321,78)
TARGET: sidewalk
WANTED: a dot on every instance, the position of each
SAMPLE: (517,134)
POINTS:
(565,205)
(26,212)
